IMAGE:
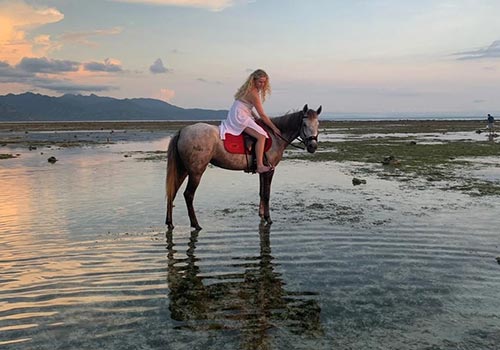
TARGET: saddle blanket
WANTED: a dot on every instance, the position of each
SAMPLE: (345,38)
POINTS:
(237,144)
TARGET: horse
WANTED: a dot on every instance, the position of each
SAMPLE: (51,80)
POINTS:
(195,146)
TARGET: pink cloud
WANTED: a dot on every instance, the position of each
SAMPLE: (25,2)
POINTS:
(165,95)
(16,18)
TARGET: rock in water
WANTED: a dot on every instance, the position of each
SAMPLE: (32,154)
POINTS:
(391,160)
(52,159)
(356,181)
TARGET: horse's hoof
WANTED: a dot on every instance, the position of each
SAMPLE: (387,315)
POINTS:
(196,227)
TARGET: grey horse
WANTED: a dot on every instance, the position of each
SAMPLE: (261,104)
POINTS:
(197,145)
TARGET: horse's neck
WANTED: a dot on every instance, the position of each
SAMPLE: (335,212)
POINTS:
(289,125)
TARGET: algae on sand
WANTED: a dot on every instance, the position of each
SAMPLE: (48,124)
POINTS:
(7,156)
(436,163)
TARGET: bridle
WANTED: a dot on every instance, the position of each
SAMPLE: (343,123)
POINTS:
(301,137)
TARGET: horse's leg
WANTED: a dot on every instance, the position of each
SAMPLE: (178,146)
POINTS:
(265,193)
(176,173)
(193,182)
(170,201)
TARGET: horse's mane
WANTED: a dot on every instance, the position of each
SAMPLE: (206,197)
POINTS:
(289,120)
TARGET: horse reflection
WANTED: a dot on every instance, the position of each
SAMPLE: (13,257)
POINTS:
(253,302)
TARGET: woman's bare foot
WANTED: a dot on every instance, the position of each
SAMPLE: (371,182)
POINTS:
(264,169)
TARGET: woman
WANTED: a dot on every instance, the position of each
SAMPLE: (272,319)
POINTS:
(240,117)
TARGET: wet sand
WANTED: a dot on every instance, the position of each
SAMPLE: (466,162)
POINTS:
(102,125)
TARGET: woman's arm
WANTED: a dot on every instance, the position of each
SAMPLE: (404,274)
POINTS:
(255,100)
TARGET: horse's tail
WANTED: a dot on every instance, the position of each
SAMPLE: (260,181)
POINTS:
(176,173)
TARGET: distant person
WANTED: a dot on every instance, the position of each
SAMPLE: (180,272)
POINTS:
(491,123)
(241,118)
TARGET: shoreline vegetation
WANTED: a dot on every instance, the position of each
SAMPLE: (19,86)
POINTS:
(444,154)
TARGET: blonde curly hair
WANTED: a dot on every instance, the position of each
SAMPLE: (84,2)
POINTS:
(250,84)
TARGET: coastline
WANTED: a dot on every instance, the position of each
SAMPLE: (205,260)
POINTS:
(381,125)
(96,125)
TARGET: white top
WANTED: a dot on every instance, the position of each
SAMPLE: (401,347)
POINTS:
(238,118)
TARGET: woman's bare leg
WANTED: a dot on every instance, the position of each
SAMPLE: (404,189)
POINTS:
(259,150)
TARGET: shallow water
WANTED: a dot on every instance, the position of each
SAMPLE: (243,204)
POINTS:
(86,262)
(423,138)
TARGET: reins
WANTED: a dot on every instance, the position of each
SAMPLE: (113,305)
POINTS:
(289,142)
(299,138)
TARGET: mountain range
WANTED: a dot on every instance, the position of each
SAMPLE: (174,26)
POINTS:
(35,107)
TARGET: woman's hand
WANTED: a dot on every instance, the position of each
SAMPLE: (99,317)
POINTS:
(276,131)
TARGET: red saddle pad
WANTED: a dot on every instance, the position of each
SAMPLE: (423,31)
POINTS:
(236,144)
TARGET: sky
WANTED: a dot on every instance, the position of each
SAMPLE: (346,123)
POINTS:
(350,56)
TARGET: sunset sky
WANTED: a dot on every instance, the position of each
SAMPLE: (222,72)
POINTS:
(356,56)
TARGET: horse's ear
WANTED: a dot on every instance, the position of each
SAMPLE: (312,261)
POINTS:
(319,110)
(305,109)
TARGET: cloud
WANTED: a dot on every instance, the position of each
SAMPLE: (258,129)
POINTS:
(27,71)
(492,51)
(44,44)
(10,74)
(203,80)
(70,87)
(110,65)
(157,67)
(212,5)
(45,65)
(165,95)
(83,37)
(16,18)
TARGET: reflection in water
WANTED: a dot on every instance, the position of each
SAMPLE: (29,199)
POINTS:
(253,302)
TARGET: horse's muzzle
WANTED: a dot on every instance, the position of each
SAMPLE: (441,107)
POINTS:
(312,146)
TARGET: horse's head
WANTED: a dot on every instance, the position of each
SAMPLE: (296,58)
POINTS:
(309,129)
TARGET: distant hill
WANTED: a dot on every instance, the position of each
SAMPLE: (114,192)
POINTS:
(36,107)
